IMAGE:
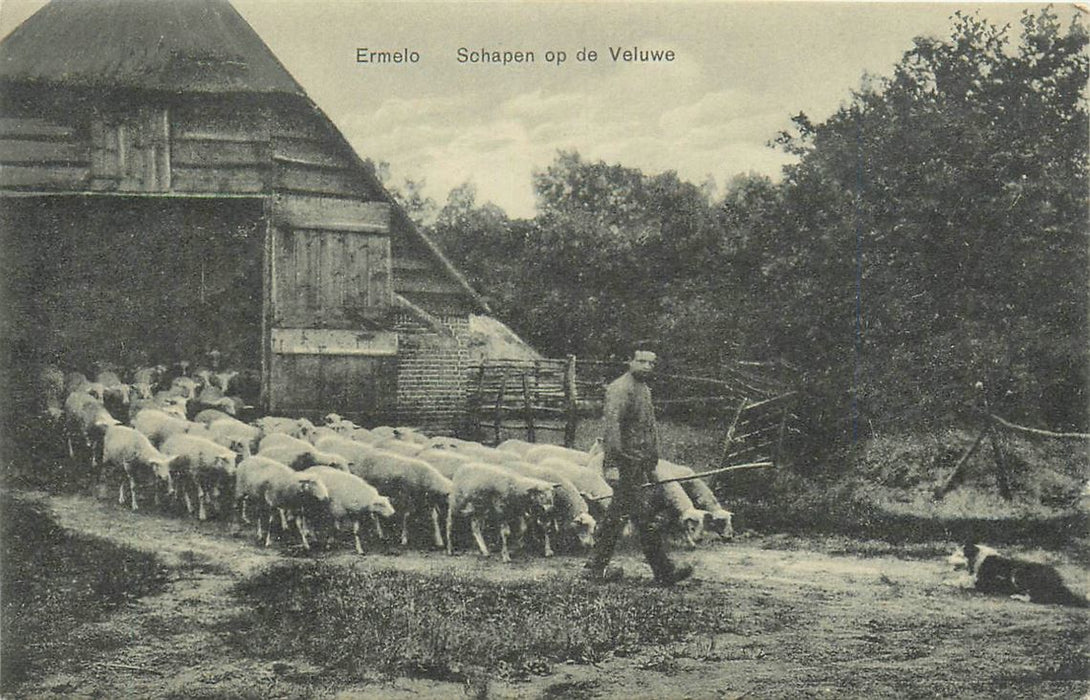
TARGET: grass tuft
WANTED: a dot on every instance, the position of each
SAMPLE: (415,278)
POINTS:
(449,628)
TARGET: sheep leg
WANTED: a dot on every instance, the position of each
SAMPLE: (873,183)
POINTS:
(378,527)
(548,548)
(121,491)
(268,528)
(450,525)
(505,532)
(435,527)
(187,499)
(475,526)
(404,528)
(301,526)
(356,535)
(202,512)
(283,519)
(132,492)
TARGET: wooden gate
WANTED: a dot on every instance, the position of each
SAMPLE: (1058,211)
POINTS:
(327,288)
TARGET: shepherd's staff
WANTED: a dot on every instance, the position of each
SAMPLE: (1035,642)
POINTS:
(690,477)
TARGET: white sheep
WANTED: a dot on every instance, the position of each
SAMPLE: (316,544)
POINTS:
(302,456)
(487,491)
(159,426)
(671,499)
(299,428)
(277,490)
(130,451)
(235,435)
(571,514)
(413,485)
(539,453)
(596,490)
(446,462)
(87,419)
(203,464)
(720,520)
(351,498)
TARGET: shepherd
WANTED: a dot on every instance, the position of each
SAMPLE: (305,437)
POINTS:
(631,447)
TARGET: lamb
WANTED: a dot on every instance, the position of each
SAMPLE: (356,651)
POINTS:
(719,518)
(159,426)
(414,486)
(572,516)
(130,451)
(481,490)
(208,466)
(351,498)
(277,490)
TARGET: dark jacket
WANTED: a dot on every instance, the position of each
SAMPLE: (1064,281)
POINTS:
(630,436)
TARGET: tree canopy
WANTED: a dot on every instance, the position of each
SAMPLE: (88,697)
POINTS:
(932,234)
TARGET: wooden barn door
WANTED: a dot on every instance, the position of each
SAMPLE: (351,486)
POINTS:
(327,289)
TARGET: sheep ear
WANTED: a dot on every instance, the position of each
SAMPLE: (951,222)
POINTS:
(557,485)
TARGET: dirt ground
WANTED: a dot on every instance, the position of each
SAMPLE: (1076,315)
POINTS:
(812,622)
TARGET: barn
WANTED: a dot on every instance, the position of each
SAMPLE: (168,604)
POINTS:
(171,192)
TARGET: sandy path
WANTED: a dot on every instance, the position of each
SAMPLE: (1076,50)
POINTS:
(827,623)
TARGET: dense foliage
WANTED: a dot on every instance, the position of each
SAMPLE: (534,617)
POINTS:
(933,234)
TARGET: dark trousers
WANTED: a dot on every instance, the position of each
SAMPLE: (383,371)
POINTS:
(634,503)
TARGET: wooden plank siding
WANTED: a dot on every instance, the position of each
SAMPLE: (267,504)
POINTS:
(39,153)
(329,279)
(360,388)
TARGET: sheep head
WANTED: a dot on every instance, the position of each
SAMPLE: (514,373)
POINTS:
(721,523)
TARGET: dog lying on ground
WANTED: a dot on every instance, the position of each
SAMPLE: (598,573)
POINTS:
(990,572)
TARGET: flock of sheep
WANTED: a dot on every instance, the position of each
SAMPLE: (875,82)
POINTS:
(177,437)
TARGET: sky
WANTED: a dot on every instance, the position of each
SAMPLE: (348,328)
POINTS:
(740,71)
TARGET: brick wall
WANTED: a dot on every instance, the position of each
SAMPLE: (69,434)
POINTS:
(431,385)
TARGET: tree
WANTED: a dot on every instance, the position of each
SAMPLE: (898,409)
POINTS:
(944,213)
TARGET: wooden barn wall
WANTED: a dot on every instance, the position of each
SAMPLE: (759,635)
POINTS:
(44,141)
(149,143)
(131,281)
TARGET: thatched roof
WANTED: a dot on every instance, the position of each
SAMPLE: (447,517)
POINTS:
(171,45)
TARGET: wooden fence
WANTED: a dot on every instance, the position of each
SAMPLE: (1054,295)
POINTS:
(750,402)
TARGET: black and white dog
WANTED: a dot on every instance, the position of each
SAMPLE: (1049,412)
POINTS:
(990,572)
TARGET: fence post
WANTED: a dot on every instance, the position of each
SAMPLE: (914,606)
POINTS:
(499,403)
(528,408)
(571,401)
